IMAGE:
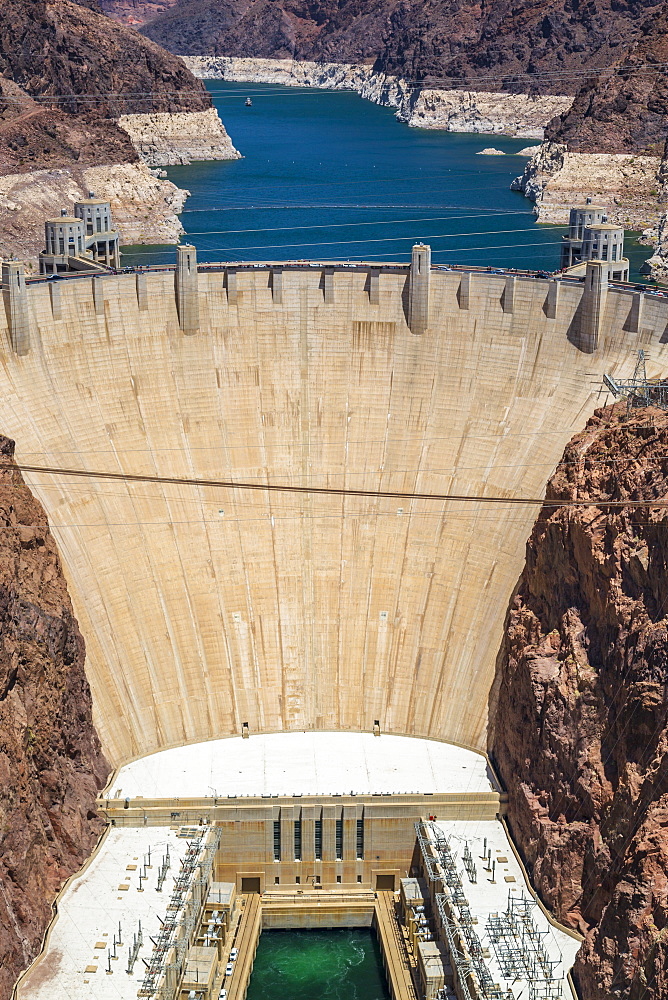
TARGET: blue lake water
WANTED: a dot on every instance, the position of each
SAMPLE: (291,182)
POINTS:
(327,175)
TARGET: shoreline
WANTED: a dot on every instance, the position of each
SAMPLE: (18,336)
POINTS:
(481,112)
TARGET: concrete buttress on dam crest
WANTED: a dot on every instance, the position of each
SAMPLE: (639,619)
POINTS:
(205,608)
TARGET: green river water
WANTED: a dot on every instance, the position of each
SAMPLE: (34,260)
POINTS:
(318,965)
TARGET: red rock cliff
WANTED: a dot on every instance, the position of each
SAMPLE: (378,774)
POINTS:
(51,766)
(66,74)
(580,705)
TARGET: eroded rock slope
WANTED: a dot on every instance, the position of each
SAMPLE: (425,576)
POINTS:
(51,765)
(75,88)
(580,706)
(85,71)
(472,44)
(625,106)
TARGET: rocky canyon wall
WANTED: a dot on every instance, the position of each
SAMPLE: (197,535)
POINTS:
(579,708)
(457,110)
(546,46)
(51,766)
(629,184)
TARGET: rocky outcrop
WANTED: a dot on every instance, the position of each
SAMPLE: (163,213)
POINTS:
(51,766)
(626,183)
(33,136)
(579,708)
(624,107)
(423,107)
(68,74)
(144,207)
(81,62)
(657,237)
(162,139)
(135,12)
(523,115)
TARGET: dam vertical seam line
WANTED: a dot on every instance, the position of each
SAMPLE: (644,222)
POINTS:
(308,597)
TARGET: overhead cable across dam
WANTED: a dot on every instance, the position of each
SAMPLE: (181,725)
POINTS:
(436,83)
(373,222)
(381,222)
(229,484)
(366,208)
(341,243)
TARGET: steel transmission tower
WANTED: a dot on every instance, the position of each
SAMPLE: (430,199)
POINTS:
(639,391)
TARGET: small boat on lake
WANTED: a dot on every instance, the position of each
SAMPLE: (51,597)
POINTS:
(249,103)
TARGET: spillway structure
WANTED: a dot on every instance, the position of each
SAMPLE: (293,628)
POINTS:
(294,499)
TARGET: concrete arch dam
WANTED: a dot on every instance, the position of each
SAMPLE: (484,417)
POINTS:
(206,608)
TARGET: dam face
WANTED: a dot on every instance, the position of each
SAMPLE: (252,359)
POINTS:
(206,608)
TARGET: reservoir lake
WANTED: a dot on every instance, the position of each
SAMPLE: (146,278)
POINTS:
(326,175)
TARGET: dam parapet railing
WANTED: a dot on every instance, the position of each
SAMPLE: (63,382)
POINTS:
(585,328)
(388,266)
(595,304)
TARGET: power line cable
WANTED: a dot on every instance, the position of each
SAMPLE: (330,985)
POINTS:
(285,511)
(381,222)
(520,210)
(329,490)
(384,239)
(368,178)
(342,243)
(406,83)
